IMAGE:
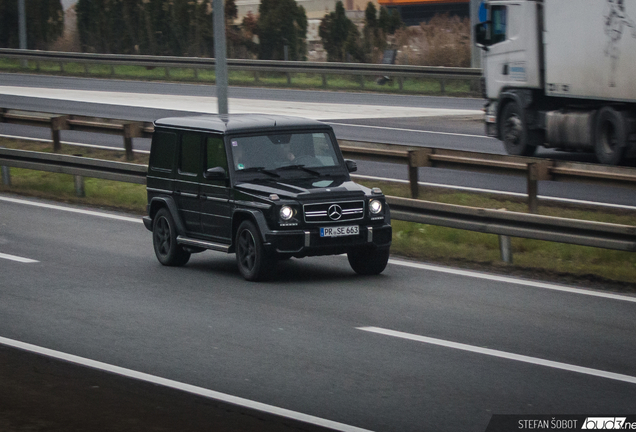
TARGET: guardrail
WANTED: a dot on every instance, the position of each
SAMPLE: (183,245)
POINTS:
(532,169)
(502,223)
(442,74)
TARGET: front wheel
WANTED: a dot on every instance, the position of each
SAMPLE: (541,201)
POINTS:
(517,138)
(164,240)
(251,257)
(368,261)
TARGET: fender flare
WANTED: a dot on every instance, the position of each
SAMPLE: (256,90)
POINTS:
(257,217)
(167,202)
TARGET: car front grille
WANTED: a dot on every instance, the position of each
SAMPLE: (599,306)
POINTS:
(333,212)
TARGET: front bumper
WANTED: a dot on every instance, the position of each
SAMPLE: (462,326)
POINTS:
(308,242)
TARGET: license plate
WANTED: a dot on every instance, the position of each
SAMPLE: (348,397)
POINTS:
(340,231)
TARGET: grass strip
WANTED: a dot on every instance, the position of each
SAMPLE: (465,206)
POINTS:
(417,241)
(423,86)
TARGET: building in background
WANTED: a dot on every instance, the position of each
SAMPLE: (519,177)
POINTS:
(414,12)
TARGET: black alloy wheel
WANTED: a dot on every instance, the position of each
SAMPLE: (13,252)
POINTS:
(164,239)
(251,257)
(368,261)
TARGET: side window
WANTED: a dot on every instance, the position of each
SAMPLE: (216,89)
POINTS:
(215,151)
(499,18)
(190,154)
(164,145)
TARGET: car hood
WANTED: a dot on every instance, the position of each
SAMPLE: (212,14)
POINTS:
(305,189)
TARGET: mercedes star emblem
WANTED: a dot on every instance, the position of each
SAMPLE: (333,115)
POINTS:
(335,212)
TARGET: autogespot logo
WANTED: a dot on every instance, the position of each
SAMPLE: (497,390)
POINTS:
(335,212)
(608,423)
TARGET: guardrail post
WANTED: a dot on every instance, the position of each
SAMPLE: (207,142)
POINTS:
(288,78)
(324,80)
(401,83)
(442,84)
(255,76)
(417,159)
(6,175)
(57,124)
(505,247)
(79,186)
(533,174)
(131,130)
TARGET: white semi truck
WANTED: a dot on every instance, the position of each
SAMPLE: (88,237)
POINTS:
(561,74)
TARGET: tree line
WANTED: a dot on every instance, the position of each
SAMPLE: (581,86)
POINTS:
(185,28)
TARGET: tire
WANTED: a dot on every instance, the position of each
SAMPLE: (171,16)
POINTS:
(164,240)
(251,257)
(368,261)
(517,138)
(611,136)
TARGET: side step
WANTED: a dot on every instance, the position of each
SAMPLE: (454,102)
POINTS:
(203,244)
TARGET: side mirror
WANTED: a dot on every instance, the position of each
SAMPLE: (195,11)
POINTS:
(482,39)
(351,165)
(216,173)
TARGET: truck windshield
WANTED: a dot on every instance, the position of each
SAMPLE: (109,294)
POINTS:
(498,19)
(270,152)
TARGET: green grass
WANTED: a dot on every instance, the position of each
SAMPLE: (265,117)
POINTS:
(242,78)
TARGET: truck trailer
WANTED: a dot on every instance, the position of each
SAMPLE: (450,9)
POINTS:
(561,74)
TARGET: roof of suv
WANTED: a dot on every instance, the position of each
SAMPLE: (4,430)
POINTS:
(236,123)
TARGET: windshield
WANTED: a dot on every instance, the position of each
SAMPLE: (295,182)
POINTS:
(303,151)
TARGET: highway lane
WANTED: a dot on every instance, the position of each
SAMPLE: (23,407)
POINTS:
(296,342)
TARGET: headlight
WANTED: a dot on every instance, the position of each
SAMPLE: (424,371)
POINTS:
(375,206)
(286,213)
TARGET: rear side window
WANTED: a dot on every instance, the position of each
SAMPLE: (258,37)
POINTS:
(163,148)
(190,157)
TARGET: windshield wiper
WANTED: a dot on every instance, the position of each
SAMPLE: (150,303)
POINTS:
(302,167)
(259,169)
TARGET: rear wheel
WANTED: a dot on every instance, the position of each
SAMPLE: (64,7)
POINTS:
(517,138)
(368,261)
(164,240)
(611,136)
(251,257)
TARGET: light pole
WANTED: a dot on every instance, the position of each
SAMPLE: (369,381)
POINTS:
(220,56)
(22,30)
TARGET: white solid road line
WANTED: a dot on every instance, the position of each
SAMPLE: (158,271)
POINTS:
(71,209)
(409,130)
(199,391)
(511,280)
(421,266)
(17,259)
(502,354)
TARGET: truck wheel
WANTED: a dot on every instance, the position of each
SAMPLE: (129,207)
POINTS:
(164,239)
(252,260)
(611,136)
(517,138)
(368,261)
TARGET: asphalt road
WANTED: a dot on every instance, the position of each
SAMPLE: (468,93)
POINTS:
(317,340)
(453,132)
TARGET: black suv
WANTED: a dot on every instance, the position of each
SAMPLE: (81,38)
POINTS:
(264,187)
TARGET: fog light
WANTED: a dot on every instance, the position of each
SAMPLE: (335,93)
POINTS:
(286,213)
(375,206)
